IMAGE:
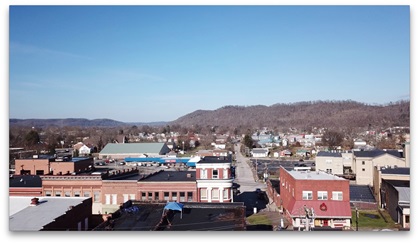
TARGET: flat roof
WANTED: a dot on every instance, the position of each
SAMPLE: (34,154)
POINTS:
(171,176)
(24,217)
(194,216)
(313,175)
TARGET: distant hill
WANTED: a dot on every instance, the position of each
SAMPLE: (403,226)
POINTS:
(329,114)
(76,122)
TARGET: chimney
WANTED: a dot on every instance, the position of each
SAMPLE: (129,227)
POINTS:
(34,201)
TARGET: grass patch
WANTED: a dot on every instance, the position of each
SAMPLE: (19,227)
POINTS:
(259,219)
(372,219)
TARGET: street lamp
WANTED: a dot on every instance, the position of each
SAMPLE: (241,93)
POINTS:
(183,146)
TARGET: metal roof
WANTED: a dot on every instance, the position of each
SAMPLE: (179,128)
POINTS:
(329,154)
(24,217)
(404,194)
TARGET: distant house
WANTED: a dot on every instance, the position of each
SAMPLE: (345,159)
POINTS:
(126,150)
(286,153)
(260,152)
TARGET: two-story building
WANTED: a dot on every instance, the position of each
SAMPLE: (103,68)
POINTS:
(313,199)
(213,179)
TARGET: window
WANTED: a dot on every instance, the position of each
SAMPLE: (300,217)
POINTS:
(77,193)
(363,169)
(150,196)
(125,197)
(329,171)
(363,162)
(96,196)
(174,196)
(166,196)
(67,194)
(322,195)
(293,192)
(307,195)
(203,192)
(108,199)
(182,196)
(143,196)
(58,193)
(215,195)
(215,174)
(190,197)
(86,194)
(114,199)
(337,195)
(48,193)
(203,174)
(328,161)
(132,196)
(156,195)
(225,193)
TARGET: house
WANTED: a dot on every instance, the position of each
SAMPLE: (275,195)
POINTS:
(286,153)
(125,150)
(50,213)
(365,161)
(213,179)
(311,200)
(260,152)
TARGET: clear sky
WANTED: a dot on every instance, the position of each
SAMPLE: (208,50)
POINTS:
(157,63)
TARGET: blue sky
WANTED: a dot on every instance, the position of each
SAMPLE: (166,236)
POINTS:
(157,63)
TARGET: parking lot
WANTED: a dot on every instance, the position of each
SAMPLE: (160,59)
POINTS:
(271,166)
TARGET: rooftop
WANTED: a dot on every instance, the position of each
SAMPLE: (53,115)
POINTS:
(25,181)
(171,176)
(396,171)
(25,217)
(142,216)
(313,175)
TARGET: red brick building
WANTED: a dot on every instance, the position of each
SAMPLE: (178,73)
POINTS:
(311,199)
(52,165)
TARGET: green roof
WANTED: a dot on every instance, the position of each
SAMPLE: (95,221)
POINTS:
(124,148)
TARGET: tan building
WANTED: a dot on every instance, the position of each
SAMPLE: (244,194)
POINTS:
(366,161)
(329,162)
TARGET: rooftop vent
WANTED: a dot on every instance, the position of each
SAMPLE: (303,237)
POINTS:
(34,201)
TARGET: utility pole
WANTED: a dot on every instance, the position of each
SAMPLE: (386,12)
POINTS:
(357,216)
